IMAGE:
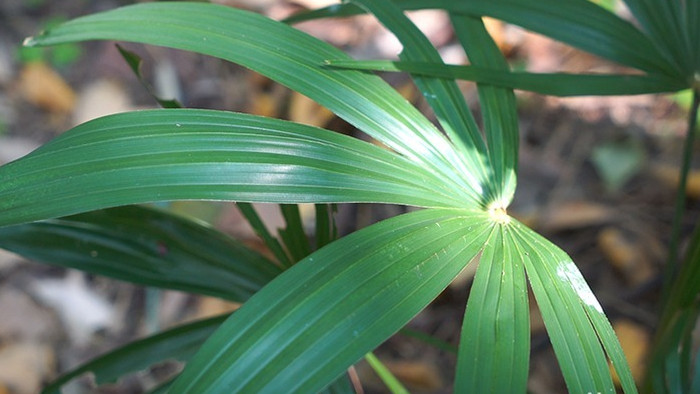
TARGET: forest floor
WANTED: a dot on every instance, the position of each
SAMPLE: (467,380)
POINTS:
(596,176)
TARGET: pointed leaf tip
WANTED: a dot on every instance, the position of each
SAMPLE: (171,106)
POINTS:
(29,42)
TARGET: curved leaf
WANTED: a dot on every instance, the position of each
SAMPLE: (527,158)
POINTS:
(307,326)
(179,343)
(498,109)
(146,246)
(554,84)
(282,53)
(196,154)
(579,23)
(443,96)
(667,28)
(580,333)
(494,348)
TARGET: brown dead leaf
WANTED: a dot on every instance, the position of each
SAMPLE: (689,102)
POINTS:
(575,214)
(304,110)
(25,366)
(45,88)
(625,255)
(496,29)
(670,176)
(634,340)
(264,104)
(210,307)
(416,374)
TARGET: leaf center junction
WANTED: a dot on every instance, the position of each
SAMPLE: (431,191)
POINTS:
(498,213)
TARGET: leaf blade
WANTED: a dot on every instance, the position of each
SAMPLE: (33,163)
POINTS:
(495,339)
(555,84)
(179,343)
(278,51)
(579,23)
(568,306)
(147,246)
(499,112)
(442,95)
(262,347)
(199,154)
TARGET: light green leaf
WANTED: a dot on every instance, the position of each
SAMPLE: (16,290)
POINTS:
(390,381)
(443,96)
(147,246)
(554,84)
(574,319)
(197,154)
(281,53)
(179,343)
(336,305)
(494,347)
(498,109)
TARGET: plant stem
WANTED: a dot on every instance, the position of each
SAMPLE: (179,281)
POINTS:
(672,265)
(391,382)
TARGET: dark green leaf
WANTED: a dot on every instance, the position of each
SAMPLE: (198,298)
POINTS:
(294,234)
(326,229)
(134,61)
(147,246)
(261,230)
(579,23)
(555,84)
(166,155)
(667,28)
(283,54)
(443,96)
(178,343)
(304,329)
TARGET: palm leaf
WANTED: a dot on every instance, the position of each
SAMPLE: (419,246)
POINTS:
(196,154)
(279,52)
(495,342)
(579,23)
(554,84)
(179,343)
(147,246)
(443,96)
(579,331)
(336,305)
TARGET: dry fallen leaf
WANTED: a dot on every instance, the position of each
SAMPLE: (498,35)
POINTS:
(626,256)
(416,374)
(304,110)
(210,307)
(634,340)
(670,176)
(575,214)
(25,366)
(45,88)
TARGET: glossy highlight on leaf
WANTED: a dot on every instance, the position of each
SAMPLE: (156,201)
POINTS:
(348,297)
(166,155)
